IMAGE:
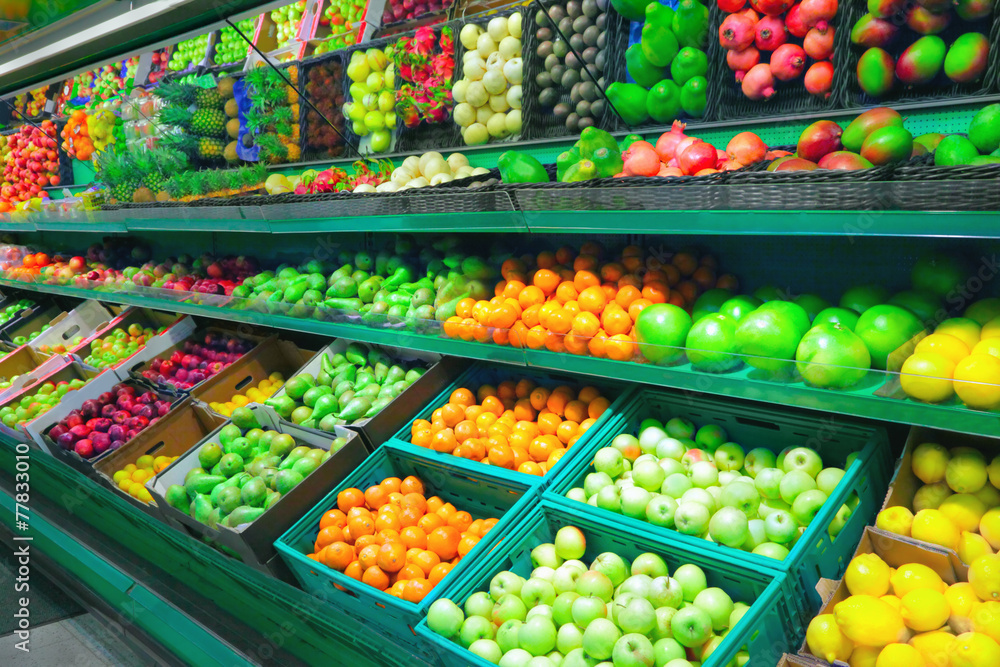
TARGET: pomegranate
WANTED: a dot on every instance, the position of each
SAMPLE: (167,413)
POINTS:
(730,6)
(818,139)
(751,14)
(730,165)
(736,32)
(668,141)
(681,147)
(758,84)
(770,33)
(670,171)
(741,61)
(696,157)
(746,148)
(819,78)
(772,7)
(817,13)
(787,62)
(641,160)
(795,22)
(818,43)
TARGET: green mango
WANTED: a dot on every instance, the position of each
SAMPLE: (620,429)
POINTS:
(955,150)
(984,130)
(871,120)
(921,61)
(876,72)
(967,57)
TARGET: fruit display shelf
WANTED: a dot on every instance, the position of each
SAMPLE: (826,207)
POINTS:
(869,401)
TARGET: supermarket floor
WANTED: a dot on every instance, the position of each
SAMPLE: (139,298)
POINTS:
(81,641)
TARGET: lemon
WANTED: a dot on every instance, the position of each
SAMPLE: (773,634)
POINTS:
(255,395)
(913,577)
(989,527)
(934,647)
(825,639)
(125,484)
(120,475)
(135,490)
(931,496)
(944,344)
(130,467)
(239,400)
(927,377)
(960,598)
(976,381)
(276,377)
(898,520)
(144,461)
(989,346)
(864,656)
(964,509)
(984,575)
(974,649)
(985,618)
(934,527)
(924,610)
(966,471)
(892,600)
(900,655)
(140,476)
(868,621)
(867,574)
(144,495)
(929,461)
(971,546)
(989,494)
(963,328)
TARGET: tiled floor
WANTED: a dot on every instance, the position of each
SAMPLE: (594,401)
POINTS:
(82,641)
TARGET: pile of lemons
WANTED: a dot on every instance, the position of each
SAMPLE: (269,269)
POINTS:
(264,390)
(132,478)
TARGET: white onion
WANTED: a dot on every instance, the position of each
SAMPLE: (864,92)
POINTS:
(419,182)
(479,171)
(463,172)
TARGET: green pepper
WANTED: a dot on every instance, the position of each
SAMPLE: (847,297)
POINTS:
(629,102)
(643,72)
(518,167)
(659,44)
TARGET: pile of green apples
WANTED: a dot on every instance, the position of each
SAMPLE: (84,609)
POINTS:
(567,613)
(24,340)
(245,473)
(187,53)
(693,480)
(29,407)
(8,313)
(373,97)
(287,20)
(119,345)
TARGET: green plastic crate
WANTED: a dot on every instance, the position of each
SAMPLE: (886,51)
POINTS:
(768,629)
(815,555)
(482,373)
(478,493)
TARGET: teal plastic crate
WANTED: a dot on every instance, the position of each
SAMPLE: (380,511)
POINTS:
(481,373)
(770,628)
(482,495)
(816,555)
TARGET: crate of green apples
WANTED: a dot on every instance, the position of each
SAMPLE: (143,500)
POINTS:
(762,487)
(17,368)
(12,310)
(575,591)
(30,323)
(251,479)
(374,390)
(20,412)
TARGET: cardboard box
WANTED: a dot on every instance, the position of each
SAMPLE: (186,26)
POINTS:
(271,356)
(121,319)
(904,483)
(441,371)
(83,321)
(254,542)
(30,320)
(26,363)
(178,329)
(27,432)
(896,551)
(187,424)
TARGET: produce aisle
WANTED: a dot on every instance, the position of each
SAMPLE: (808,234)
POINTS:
(550,334)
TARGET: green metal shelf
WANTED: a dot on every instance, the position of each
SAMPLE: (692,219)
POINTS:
(870,401)
(258,220)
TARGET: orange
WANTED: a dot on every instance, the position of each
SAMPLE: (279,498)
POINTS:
(946,345)
(546,280)
(619,347)
(505,390)
(364,541)
(677,299)
(462,396)
(576,344)
(559,399)
(629,280)
(444,542)
(554,457)
(460,520)
(429,522)
(439,572)
(493,404)
(337,555)
(333,518)
(367,555)
(354,570)
(376,578)
(511,264)
(503,317)
(626,295)
(566,431)
(560,321)
(349,498)
(597,407)
(426,561)
(541,448)
(566,292)
(414,500)
(531,468)
(614,320)
(572,307)
(546,259)
(466,544)
(376,496)
(539,397)
(685,262)
(548,423)
(444,441)
(518,336)
(464,308)
(612,272)
(636,307)
(409,571)
(485,420)
(501,456)
(688,290)
(585,324)
(704,277)
(391,484)
(593,299)
(387,520)
(451,327)
(523,388)
(416,590)
(728,281)
(412,484)
(391,557)
(597,344)
(512,289)
(466,429)
(452,414)
(585,263)
(656,292)
(520,456)
(530,296)
(576,410)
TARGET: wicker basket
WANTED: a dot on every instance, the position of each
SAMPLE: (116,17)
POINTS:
(352,138)
(312,151)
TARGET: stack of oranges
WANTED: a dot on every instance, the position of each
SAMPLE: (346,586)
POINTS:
(581,303)
(396,539)
(518,426)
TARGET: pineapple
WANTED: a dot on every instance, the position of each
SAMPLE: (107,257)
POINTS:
(209,98)
(208,122)
(176,116)
(210,148)
(179,94)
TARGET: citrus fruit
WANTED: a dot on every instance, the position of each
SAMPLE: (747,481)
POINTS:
(929,462)
(900,655)
(924,305)
(869,621)
(862,297)
(989,527)
(966,330)
(984,575)
(898,520)
(977,381)
(989,346)
(711,343)
(842,316)
(915,577)
(661,330)
(986,619)
(971,546)
(924,610)
(960,598)
(767,337)
(926,376)
(825,639)
(739,307)
(938,273)
(933,647)
(867,574)
(709,303)
(888,330)
(832,356)
(796,313)
(983,311)
(974,649)
(813,304)
(991,329)
(864,656)
(964,510)
(944,344)
(930,496)
(966,471)
(934,527)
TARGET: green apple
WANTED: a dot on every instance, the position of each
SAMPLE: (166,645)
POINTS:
(729,526)
(597,584)
(649,564)
(577,494)
(692,580)
(771,550)
(537,636)
(717,604)
(569,637)
(807,505)
(505,582)
(665,591)
(638,615)
(663,617)
(599,638)
(570,543)
(840,520)
(545,554)
(729,456)
(588,608)
(516,657)
(692,626)
(710,437)
(676,485)
(704,474)
(536,592)
(633,650)
(648,475)
(609,461)
(475,628)
(479,604)
(804,459)
(565,578)
(507,634)
(487,649)
(667,649)
(794,483)
(768,481)
(780,527)
(507,607)
(660,511)
(562,608)
(679,428)
(756,534)
(650,437)
(596,481)
(612,566)
(670,448)
(445,617)
(634,501)
(741,495)
(701,496)
(628,445)
(609,498)
(768,506)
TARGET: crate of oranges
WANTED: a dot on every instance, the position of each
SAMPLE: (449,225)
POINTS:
(379,546)
(513,420)
(153,450)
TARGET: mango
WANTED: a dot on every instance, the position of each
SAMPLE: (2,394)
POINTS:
(887,145)
(866,123)
(921,61)
(872,31)
(984,130)
(955,150)
(875,72)
(967,57)
(924,22)
(930,140)
(970,10)
(885,8)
